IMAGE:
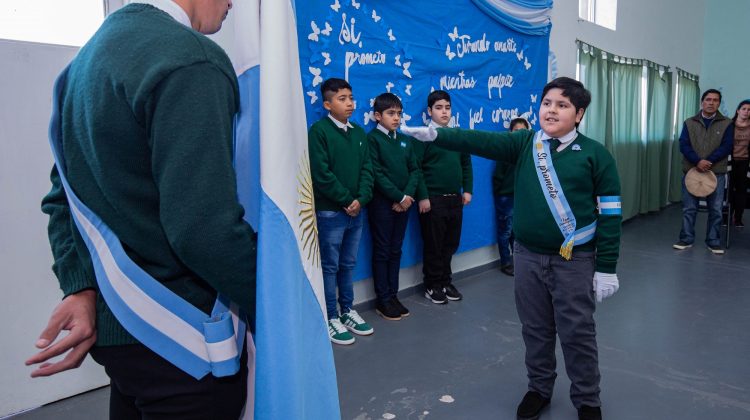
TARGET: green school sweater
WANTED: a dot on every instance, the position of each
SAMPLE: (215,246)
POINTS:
(147,119)
(394,165)
(340,165)
(584,174)
(443,171)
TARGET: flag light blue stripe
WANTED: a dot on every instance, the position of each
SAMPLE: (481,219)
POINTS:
(517,23)
(611,212)
(609,199)
(247,126)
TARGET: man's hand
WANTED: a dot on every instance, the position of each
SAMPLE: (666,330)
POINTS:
(424,205)
(397,208)
(428,133)
(466,198)
(704,165)
(353,209)
(406,202)
(605,285)
(77,314)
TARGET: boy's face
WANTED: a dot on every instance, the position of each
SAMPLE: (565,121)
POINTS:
(518,126)
(208,15)
(390,119)
(341,105)
(440,112)
(558,116)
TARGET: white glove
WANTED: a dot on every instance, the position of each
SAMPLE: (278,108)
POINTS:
(428,133)
(605,285)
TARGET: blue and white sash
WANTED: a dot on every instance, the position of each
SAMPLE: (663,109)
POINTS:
(556,200)
(164,322)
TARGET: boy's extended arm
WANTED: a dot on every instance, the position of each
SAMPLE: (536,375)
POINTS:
(487,144)
(325,182)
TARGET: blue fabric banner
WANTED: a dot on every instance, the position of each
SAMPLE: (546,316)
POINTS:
(492,72)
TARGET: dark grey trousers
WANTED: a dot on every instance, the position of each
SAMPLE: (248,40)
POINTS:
(555,296)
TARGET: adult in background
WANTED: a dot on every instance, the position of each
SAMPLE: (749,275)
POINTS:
(705,144)
(738,178)
(146,121)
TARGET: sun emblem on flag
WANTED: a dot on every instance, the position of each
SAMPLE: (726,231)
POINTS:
(307,224)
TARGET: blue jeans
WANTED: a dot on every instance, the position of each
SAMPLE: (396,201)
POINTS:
(338,234)
(504,220)
(690,208)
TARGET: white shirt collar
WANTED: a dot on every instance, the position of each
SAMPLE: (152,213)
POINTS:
(169,7)
(339,124)
(385,131)
(436,125)
(564,140)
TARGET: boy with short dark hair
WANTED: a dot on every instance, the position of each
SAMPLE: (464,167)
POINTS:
(503,179)
(444,189)
(396,177)
(342,183)
(567,238)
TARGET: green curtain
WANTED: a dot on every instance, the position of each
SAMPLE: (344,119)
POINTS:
(688,103)
(644,158)
(627,144)
(657,152)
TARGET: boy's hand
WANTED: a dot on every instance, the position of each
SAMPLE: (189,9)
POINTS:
(353,209)
(424,205)
(420,133)
(466,198)
(77,314)
(605,285)
(406,202)
(397,208)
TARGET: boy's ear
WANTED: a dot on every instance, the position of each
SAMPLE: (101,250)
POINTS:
(327,105)
(429,111)
(579,114)
(378,116)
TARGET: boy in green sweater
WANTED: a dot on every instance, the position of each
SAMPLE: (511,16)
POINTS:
(503,179)
(342,183)
(444,189)
(396,176)
(567,238)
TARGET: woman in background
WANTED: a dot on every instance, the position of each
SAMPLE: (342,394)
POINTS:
(738,179)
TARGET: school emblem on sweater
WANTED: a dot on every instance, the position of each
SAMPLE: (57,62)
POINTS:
(576,147)
(307,224)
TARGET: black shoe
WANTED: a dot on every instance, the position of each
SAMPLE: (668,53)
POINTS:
(739,224)
(531,406)
(452,293)
(401,308)
(507,269)
(388,310)
(589,413)
(436,296)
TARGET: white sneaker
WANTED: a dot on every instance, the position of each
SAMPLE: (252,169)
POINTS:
(338,332)
(354,323)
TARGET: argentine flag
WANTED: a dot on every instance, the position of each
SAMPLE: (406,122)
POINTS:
(295,377)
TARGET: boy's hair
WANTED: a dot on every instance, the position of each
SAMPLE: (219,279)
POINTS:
(386,101)
(571,89)
(436,96)
(710,91)
(519,120)
(331,86)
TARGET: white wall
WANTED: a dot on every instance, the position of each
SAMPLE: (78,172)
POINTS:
(30,290)
(726,60)
(669,32)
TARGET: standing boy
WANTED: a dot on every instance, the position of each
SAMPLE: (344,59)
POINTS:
(396,177)
(567,236)
(445,188)
(502,186)
(342,184)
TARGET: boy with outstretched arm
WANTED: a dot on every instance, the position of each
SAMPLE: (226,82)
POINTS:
(567,239)
(396,176)
(342,183)
(444,189)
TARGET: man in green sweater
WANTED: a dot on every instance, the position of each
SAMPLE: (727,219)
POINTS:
(342,184)
(444,189)
(146,127)
(567,238)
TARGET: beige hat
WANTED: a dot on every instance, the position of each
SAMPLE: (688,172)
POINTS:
(700,184)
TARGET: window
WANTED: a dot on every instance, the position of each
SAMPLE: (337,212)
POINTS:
(600,12)
(69,22)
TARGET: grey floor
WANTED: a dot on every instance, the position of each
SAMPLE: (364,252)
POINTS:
(673,343)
